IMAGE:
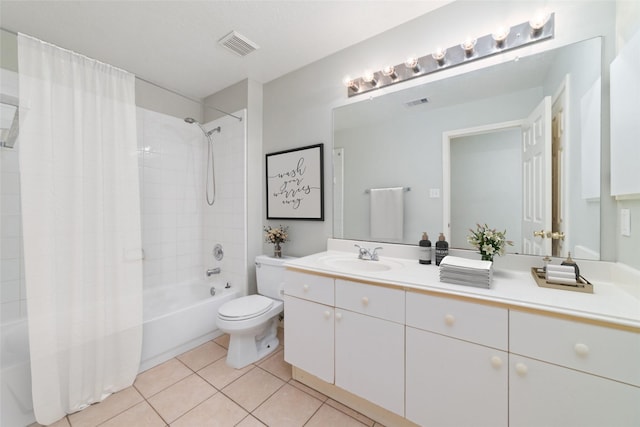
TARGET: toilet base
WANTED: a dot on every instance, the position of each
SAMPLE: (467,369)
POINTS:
(247,348)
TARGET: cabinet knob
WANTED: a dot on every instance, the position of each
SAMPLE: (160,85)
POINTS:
(581,349)
(305,288)
(338,316)
(449,319)
(327,314)
(496,362)
(365,301)
(521,369)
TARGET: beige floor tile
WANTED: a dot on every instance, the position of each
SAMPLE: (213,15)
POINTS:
(220,374)
(178,399)
(329,416)
(62,422)
(288,407)
(378,425)
(222,340)
(253,388)
(141,415)
(250,421)
(218,410)
(277,366)
(108,408)
(354,414)
(203,355)
(321,397)
(160,377)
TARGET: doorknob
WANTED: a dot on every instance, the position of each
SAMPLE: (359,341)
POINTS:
(556,235)
(540,233)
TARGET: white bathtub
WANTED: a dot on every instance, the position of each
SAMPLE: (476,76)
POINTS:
(179,318)
(16,407)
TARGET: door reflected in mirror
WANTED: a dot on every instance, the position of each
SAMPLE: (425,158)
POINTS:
(395,141)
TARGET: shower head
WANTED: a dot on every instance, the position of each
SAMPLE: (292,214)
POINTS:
(207,133)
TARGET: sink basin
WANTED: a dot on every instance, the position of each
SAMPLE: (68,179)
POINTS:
(356,265)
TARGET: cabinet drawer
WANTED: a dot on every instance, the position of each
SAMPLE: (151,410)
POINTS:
(611,353)
(376,301)
(468,321)
(309,286)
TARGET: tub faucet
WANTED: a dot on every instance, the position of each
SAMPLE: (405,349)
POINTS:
(212,271)
(367,254)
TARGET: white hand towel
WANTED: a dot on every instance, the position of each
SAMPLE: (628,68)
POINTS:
(387,213)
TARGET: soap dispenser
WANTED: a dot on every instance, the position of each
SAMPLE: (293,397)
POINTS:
(573,264)
(442,248)
(425,249)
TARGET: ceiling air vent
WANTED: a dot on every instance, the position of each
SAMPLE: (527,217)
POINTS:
(416,102)
(238,44)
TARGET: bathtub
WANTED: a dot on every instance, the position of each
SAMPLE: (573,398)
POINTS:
(16,407)
(178,318)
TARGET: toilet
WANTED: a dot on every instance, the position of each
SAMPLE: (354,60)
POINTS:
(252,321)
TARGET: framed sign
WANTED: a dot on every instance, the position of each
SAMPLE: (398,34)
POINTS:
(295,183)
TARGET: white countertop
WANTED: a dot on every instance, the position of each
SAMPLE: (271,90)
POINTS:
(608,303)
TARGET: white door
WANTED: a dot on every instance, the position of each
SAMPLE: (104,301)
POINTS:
(536,180)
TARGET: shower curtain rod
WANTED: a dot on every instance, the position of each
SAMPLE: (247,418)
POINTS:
(163,88)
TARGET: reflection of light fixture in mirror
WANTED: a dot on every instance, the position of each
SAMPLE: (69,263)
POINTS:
(537,22)
(369,77)
(500,35)
(412,64)
(468,44)
(390,71)
(351,84)
(439,55)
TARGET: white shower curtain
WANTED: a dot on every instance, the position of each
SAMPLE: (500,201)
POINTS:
(81,222)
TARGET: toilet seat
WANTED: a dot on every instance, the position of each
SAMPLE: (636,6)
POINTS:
(245,308)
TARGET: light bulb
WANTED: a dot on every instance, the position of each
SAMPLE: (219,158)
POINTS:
(500,35)
(369,77)
(439,55)
(350,84)
(390,71)
(538,21)
(412,64)
(468,45)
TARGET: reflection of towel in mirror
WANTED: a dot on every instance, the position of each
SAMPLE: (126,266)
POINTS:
(387,213)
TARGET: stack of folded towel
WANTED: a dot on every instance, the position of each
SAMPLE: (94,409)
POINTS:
(469,272)
(565,274)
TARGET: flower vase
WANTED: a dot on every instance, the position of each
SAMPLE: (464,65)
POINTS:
(277,250)
(487,257)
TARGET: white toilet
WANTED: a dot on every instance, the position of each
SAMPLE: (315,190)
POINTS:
(252,321)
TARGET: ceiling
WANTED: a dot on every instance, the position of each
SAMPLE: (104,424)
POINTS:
(174,44)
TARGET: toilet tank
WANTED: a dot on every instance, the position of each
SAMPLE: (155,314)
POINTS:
(270,275)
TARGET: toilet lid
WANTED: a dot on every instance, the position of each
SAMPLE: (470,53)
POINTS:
(245,307)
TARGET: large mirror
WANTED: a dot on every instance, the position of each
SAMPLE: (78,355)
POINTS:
(514,145)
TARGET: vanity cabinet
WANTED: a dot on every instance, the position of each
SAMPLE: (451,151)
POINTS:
(569,373)
(309,324)
(456,357)
(369,343)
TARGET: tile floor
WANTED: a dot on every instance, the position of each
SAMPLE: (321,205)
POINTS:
(198,389)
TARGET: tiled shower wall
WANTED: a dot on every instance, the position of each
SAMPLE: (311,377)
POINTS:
(179,229)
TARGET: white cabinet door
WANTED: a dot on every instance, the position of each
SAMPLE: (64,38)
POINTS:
(541,394)
(370,359)
(454,383)
(309,338)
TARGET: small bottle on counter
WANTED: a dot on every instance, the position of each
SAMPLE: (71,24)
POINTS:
(570,262)
(442,248)
(425,249)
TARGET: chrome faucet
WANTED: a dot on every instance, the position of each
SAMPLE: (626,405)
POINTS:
(367,254)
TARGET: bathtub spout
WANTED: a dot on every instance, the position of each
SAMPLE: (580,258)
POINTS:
(212,271)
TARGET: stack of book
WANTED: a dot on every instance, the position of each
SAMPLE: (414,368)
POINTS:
(468,272)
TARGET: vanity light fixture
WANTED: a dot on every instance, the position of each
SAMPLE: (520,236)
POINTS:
(370,78)
(439,55)
(390,71)
(412,64)
(467,45)
(539,28)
